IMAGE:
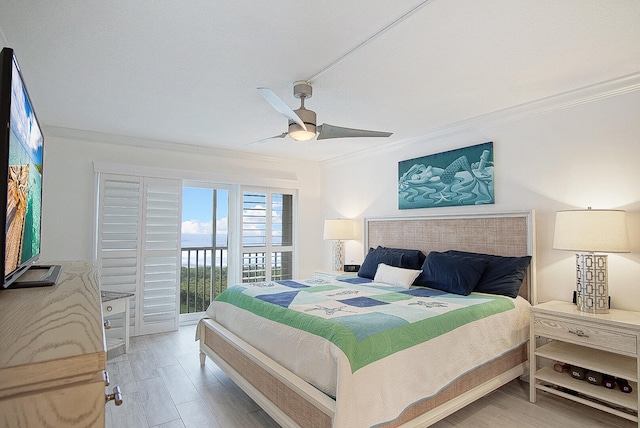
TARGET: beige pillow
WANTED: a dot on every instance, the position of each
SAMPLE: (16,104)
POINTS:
(398,277)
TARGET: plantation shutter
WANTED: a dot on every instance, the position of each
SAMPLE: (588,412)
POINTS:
(267,235)
(119,207)
(255,266)
(138,245)
(161,256)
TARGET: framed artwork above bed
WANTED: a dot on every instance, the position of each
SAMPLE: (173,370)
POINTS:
(452,178)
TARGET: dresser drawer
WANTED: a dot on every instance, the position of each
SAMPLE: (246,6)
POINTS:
(585,333)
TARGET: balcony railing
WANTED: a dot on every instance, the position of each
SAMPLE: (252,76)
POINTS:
(204,273)
(254,266)
(203,277)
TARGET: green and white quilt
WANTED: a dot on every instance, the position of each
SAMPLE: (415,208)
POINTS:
(367,322)
(383,347)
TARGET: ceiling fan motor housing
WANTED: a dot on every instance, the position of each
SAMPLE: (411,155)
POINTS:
(302,89)
(308,117)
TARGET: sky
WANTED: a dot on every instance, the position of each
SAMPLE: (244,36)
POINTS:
(197,219)
(23,120)
(197,216)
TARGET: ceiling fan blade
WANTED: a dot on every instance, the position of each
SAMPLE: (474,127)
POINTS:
(281,106)
(264,140)
(330,131)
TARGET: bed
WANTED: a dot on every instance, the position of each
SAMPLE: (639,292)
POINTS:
(302,378)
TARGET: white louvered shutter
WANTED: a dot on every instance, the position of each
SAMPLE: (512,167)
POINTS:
(118,238)
(267,229)
(161,256)
(138,245)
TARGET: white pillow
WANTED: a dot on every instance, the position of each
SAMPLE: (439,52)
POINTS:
(396,276)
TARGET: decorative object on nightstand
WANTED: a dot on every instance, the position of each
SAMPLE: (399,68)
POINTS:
(339,230)
(351,268)
(588,231)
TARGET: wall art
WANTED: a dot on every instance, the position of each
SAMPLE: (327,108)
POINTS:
(453,178)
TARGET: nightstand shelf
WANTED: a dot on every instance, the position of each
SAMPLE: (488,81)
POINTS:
(604,343)
(589,358)
(613,396)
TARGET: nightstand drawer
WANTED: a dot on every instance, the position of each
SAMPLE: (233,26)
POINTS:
(585,334)
(116,306)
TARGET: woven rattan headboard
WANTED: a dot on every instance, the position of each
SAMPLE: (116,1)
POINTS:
(504,234)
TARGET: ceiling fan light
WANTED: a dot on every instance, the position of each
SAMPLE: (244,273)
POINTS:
(302,135)
(299,134)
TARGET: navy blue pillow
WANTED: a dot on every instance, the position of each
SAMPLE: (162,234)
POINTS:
(451,272)
(503,275)
(397,257)
(411,259)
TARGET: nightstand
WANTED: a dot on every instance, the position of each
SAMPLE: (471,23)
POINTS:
(604,343)
(330,275)
(116,303)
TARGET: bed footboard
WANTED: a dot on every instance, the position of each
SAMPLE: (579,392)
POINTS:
(292,402)
(289,400)
(464,390)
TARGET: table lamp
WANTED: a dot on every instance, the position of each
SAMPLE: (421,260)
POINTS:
(338,230)
(586,232)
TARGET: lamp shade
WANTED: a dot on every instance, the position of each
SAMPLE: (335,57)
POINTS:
(339,229)
(591,231)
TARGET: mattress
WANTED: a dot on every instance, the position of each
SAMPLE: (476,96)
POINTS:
(378,349)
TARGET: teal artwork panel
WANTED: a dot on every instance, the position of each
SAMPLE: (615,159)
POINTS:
(453,178)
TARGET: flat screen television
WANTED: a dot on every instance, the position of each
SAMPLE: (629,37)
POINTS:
(21,168)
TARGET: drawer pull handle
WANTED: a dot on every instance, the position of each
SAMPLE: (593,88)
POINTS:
(579,333)
(116,396)
(109,308)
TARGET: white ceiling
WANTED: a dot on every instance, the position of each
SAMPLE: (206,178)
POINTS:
(187,71)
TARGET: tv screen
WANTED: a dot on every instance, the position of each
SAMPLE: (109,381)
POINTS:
(21,162)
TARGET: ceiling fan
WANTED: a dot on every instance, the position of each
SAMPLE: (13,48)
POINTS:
(302,122)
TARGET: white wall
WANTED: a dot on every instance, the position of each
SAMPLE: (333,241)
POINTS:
(584,155)
(68,200)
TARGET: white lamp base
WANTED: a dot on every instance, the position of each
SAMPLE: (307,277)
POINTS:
(337,259)
(592,283)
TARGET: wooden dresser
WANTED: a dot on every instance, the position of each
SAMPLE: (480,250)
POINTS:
(52,353)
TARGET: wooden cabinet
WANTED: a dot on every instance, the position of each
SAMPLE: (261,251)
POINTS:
(602,343)
(52,353)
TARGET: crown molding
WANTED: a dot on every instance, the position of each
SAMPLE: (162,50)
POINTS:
(124,140)
(587,94)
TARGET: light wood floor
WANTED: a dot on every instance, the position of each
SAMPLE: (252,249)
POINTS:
(164,386)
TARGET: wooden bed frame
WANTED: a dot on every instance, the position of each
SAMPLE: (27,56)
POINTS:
(292,402)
